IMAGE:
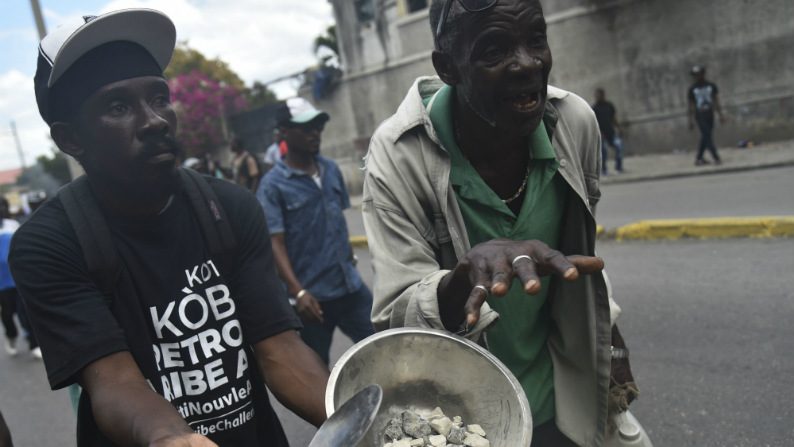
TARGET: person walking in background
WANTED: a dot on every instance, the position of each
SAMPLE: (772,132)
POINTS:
(704,100)
(273,153)
(245,168)
(304,196)
(8,291)
(607,118)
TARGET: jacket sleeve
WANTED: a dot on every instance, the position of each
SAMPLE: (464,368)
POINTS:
(590,153)
(407,272)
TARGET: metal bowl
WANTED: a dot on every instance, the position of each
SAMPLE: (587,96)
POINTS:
(422,369)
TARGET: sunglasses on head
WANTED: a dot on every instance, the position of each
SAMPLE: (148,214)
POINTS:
(468,5)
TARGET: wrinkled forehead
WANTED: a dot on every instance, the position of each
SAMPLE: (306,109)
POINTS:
(514,15)
(503,10)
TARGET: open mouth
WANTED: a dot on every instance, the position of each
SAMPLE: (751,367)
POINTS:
(524,102)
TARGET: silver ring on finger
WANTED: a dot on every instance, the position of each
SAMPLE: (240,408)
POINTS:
(520,257)
(483,288)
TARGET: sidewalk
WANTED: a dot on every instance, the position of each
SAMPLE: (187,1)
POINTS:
(673,165)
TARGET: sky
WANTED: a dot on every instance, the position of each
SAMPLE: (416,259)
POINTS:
(259,39)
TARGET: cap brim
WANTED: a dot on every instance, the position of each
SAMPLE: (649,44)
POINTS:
(309,116)
(149,28)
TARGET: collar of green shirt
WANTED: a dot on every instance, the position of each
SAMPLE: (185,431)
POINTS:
(439,107)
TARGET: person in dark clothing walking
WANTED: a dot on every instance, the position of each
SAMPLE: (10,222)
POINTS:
(606,115)
(245,169)
(8,291)
(704,100)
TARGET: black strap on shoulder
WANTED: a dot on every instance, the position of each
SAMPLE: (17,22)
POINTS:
(209,212)
(92,233)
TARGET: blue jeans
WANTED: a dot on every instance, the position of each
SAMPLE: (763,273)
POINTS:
(351,313)
(617,144)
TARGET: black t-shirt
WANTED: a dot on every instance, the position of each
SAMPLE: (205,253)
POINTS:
(605,115)
(192,325)
(703,95)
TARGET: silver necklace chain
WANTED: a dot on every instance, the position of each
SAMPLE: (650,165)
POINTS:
(521,188)
(519,192)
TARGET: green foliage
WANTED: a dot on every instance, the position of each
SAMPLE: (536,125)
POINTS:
(187,60)
(259,95)
(329,43)
(48,174)
(55,165)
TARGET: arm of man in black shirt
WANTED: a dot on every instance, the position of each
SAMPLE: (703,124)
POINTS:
(292,371)
(295,374)
(129,412)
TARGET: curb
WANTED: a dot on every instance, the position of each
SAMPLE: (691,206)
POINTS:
(707,228)
(629,178)
(673,229)
(359,241)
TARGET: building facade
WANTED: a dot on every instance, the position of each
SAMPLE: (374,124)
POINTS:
(639,51)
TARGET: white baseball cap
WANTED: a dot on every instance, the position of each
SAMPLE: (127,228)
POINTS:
(302,111)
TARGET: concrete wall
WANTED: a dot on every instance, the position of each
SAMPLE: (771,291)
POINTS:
(640,51)
(374,84)
(361,102)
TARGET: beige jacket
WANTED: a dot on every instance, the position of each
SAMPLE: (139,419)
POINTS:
(416,235)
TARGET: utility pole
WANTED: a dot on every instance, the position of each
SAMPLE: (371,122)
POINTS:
(74,168)
(19,145)
(34,4)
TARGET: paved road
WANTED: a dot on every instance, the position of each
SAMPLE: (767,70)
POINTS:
(753,193)
(765,192)
(708,324)
(709,327)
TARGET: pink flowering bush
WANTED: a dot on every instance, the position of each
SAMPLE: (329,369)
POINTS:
(202,104)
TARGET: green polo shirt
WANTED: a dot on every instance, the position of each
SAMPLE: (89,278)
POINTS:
(519,337)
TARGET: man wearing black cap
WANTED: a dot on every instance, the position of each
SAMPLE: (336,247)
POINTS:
(177,352)
(304,196)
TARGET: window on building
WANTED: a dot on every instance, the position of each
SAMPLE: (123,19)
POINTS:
(365,10)
(416,5)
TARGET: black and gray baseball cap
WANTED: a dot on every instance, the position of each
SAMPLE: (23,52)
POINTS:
(298,110)
(150,33)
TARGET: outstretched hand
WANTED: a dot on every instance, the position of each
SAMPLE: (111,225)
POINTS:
(490,267)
